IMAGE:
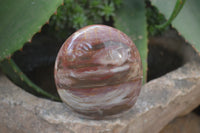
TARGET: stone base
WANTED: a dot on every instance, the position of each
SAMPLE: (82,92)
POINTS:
(160,101)
(187,124)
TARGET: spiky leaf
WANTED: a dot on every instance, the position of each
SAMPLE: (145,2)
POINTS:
(20,19)
(130,19)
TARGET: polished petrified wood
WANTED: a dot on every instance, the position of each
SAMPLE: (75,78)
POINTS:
(98,72)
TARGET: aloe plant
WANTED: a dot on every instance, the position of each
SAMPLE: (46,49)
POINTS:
(21,19)
(187,21)
(17,76)
(131,20)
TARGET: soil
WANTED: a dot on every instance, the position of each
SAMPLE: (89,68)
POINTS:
(161,61)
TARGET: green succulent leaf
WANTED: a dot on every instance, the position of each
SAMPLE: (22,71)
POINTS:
(20,19)
(9,67)
(107,10)
(187,21)
(130,19)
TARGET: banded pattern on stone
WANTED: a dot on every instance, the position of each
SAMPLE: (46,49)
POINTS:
(98,71)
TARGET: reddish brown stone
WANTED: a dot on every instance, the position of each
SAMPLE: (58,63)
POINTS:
(98,71)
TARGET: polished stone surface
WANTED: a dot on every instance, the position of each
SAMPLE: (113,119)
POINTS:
(98,72)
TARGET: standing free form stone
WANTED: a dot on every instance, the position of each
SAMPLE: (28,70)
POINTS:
(98,72)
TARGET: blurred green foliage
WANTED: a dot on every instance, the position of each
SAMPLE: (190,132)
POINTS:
(75,14)
(154,18)
(128,16)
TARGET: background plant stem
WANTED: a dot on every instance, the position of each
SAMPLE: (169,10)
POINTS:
(177,9)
